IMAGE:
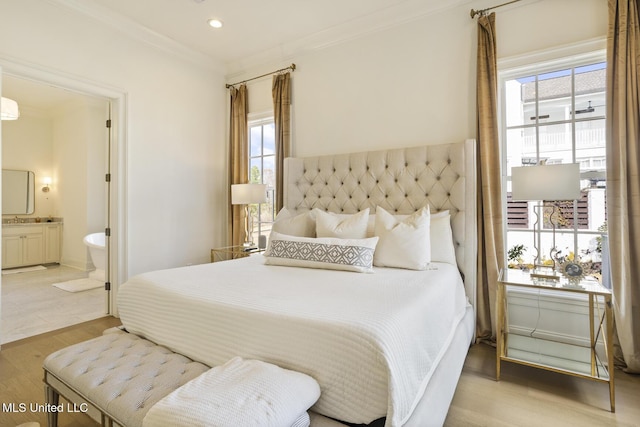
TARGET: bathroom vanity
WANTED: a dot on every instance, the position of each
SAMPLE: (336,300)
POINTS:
(31,243)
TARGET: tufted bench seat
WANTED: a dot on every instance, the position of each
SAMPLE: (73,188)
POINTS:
(121,375)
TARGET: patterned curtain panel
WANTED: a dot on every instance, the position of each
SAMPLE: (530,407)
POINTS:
(490,234)
(281,91)
(623,173)
(239,159)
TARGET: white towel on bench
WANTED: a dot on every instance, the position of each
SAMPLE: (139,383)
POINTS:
(239,393)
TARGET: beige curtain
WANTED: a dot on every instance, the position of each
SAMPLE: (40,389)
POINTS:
(238,159)
(490,235)
(281,91)
(623,173)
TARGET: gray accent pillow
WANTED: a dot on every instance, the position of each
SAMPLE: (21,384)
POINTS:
(327,252)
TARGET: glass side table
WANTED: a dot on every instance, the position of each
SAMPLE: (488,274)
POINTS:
(227,253)
(593,366)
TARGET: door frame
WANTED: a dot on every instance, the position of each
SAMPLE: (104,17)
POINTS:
(117,207)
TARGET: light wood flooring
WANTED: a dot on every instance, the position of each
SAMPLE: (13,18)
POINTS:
(525,396)
(31,306)
(530,397)
(21,371)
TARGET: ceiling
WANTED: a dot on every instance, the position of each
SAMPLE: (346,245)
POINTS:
(254,31)
(253,27)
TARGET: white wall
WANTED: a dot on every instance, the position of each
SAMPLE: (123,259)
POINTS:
(175,131)
(540,25)
(28,145)
(79,158)
(413,84)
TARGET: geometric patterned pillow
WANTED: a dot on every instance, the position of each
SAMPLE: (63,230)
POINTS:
(325,252)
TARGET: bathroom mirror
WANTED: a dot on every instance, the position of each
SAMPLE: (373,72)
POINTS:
(17,192)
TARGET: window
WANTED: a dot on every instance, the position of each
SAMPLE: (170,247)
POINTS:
(555,112)
(262,170)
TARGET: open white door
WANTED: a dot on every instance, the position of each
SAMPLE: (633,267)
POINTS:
(107,231)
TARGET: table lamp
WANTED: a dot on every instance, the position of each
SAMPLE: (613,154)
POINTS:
(546,183)
(247,194)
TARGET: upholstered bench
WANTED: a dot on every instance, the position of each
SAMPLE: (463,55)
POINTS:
(119,374)
(118,377)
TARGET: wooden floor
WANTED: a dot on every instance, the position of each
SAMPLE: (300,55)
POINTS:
(524,397)
(21,371)
(530,397)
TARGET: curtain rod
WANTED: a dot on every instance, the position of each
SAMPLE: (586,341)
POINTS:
(291,67)
(481,11)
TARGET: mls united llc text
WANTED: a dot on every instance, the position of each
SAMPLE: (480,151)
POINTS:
(44,407)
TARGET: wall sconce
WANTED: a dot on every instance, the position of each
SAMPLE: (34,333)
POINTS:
(47,183)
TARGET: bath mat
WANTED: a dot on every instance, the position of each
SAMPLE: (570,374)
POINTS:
(24,269)
(79,285)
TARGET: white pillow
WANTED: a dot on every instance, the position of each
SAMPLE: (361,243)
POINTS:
(340,225)
(327,252)
(303,225)
(441,237)
(403,243)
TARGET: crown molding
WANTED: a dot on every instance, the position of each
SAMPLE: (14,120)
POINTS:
(391,17)
(139,32)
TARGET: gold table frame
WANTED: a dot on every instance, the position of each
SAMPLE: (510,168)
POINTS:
(595,291)
(232,252)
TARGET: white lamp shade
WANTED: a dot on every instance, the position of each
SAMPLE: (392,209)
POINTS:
(9,109)
(546,182)
(245,194)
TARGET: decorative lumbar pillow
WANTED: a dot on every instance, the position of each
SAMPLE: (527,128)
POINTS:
(403,243)
(340,225)
(303,225)
(327,252)
(441,237)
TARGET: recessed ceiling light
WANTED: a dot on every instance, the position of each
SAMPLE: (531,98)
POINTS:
(215,23)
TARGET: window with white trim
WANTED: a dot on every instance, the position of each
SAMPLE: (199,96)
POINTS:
(262,170)
(555,113)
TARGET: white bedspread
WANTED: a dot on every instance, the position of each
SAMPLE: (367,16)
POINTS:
(371,341)
(240,393)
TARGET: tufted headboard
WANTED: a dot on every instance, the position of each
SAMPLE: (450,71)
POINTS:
(401,181)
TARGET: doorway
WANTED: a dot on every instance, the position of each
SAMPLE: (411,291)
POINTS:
(91,206)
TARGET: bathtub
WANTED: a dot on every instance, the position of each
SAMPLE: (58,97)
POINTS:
(97,249)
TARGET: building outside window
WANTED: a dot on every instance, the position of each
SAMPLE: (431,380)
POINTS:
(555,113)
(262,170)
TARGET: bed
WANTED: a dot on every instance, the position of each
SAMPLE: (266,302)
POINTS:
(383,342)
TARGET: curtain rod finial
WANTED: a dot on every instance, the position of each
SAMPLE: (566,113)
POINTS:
(473,13)
(293,67)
